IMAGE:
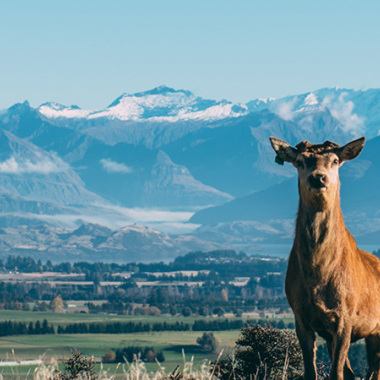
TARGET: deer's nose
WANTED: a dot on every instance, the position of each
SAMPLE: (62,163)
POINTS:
(317,180)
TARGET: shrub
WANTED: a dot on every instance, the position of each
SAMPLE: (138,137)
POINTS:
(264,352)
(209,343)
(77,367)
(109,357)
(147,310)
(146,354)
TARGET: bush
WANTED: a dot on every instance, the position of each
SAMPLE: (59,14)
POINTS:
(261,353)
(224,369)
(77,367)
(146,354)
(147,310)
(209,343)
(109,357)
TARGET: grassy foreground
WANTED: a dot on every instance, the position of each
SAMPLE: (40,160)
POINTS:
(59,346)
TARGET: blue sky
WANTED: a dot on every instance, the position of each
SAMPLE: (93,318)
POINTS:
(88,52)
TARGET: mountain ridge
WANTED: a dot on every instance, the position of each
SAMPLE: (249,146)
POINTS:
(174,153)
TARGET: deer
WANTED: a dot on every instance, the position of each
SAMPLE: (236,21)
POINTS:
(332,286)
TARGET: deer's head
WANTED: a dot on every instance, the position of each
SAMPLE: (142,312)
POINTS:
(318,167)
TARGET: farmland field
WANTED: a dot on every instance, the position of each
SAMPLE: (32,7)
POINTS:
(59,346)
(66,318)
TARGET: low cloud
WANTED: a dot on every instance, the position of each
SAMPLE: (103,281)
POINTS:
(342,110)
(114,167)
(115,217)
(14,166)
(285,110)
(146,215)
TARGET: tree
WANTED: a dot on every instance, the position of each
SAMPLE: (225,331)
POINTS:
(238,313)
(209,343)
(186,312)
(173,310)
(219,311)
(203,311)
(57,304)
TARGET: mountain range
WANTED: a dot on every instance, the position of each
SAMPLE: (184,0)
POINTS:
(174,161)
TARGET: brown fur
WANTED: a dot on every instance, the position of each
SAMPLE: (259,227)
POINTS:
(332,286)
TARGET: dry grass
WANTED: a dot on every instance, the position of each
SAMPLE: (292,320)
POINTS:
(133,371)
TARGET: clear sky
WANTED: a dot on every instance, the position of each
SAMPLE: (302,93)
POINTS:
(88,52)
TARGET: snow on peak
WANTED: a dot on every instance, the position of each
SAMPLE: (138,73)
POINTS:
(56,110)
(311,100)
(159,104)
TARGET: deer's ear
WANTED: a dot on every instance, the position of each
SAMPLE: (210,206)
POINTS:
(283,150)
(351,150)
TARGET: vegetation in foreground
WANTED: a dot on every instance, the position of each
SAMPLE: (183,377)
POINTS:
(262,353)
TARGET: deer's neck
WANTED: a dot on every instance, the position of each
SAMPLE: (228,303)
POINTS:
(320,233)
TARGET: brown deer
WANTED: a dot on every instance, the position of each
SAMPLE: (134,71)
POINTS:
(332,286)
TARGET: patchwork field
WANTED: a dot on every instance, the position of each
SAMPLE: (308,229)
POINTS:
(173,343)
(59,347)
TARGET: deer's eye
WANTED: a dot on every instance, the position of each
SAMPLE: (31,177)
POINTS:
(336,162)
(299,164)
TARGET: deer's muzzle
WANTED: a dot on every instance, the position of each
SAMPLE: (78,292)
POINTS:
(318,182)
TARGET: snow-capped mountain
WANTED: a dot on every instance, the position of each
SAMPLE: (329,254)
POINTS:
(157,105)
(167,152)
(354,111)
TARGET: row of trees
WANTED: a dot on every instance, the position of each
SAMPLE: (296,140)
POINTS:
(29,328)
(23,328)
(198,325)
(120,328)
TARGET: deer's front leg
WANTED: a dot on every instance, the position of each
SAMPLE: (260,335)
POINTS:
(307,340)
(348,373)
(341,344)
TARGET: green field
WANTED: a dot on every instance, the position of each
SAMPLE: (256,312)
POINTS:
(66,318)
(59,346)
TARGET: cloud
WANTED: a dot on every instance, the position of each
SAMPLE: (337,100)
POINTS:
(145,215)
(285,110)
(342,110)
(114,167)
(44,166)
(115,217)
